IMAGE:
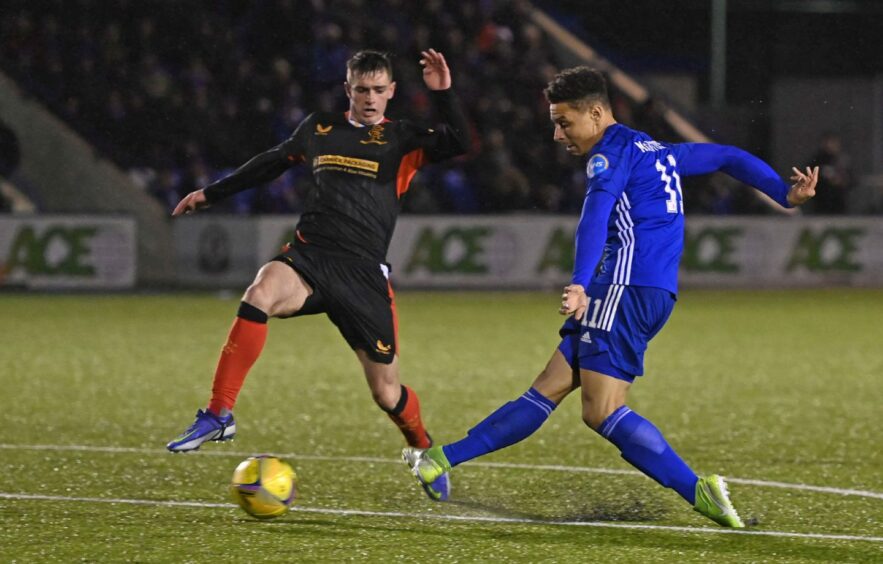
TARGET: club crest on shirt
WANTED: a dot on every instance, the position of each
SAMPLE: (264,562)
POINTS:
(376,136)
(597,164)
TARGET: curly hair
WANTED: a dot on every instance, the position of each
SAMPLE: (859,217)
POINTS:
(578,86)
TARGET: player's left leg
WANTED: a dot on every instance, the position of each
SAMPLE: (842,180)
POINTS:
(403,407)
(364,310)
(511,423)
(644,447)
(362,306)
(518,419)
(399,401)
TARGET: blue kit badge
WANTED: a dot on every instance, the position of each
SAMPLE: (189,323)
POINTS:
(597,164)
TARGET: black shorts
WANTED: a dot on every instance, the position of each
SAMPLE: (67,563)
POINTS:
(354,293)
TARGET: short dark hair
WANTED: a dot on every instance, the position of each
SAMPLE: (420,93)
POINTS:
(369,62)
(578,86)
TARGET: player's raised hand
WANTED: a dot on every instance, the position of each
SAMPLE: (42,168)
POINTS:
(190,203)
(436,73)
(573,301)
(804,186)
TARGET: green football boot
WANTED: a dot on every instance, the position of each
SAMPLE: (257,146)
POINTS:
(430,467)
(713,501)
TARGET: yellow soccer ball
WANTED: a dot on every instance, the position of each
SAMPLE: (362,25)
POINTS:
(264,486)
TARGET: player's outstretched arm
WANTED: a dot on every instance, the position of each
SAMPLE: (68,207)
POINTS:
(451,135)
(804,186)
(705,158)
(260,169)
(436,73)
(190,203)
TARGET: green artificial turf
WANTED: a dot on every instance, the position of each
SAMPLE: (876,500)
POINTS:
(776,386)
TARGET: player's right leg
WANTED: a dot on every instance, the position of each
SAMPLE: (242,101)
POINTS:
(639,441)
(511,423)
(642,445)
(611,355)
(277,291)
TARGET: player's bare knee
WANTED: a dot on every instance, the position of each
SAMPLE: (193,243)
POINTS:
(554,389)
(591,418)
(277,290)
(383,381)
(596,411)
(556,380)
(386,397)
(259,296)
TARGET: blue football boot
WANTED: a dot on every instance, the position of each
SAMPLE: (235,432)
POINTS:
(431,468)
(207,427)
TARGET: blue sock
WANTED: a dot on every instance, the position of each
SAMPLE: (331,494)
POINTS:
(513,422)
(644,447)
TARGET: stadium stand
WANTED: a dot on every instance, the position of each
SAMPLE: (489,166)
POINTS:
(179,94)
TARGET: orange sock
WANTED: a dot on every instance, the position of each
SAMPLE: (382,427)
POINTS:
(406,414)
(244,345)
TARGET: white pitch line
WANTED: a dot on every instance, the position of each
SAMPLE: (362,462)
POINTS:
(745,481)
(460,518)
(377,460)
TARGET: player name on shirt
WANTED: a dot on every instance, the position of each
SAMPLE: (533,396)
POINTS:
(649,146)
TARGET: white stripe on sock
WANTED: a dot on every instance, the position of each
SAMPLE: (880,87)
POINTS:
(616,422)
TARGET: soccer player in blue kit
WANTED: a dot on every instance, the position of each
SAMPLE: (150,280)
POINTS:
(628,244)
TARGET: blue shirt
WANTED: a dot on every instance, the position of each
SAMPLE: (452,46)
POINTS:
(633,214)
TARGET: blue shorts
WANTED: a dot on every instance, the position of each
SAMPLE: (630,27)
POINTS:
(613,334)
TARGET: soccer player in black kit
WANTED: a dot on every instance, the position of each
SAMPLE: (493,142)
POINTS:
(361,164)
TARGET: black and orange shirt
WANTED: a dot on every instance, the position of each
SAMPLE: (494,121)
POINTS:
(359,174)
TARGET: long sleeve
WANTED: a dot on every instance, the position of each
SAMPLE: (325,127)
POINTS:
(591,234)
(451,137)
(260,169)
(705,158)
(264,167)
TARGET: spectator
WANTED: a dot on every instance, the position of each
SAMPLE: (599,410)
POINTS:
(173,90)
(10,154)
(650,119)
(835,176)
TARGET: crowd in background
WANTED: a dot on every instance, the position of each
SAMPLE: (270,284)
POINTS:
(181,93)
